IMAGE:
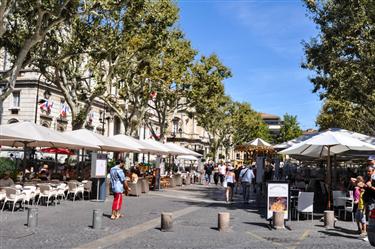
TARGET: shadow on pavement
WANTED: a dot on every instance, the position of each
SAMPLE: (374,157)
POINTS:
(345,230)
(336,234)
(260,224)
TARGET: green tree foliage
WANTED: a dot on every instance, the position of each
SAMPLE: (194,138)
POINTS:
(24,25)
(290,128)
(345,115)
(343,54)
(170,79)
(213,109)
(79,57)
(148,26)
(248,124)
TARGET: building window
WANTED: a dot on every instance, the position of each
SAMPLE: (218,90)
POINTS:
(16,100)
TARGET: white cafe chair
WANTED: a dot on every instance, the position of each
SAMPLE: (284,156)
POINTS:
(13,195)
(47,192)
(60,192)
(74,188)
(305,204)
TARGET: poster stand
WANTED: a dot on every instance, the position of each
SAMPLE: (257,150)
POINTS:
(99,171)
(278,199)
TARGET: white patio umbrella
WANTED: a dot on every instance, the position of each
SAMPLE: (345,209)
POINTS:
(188,157)
(359,136)
(258,142)
(182,150)
(105,143)
(139,144)
(32,135)
(28,134)
(163,150)
(326,144)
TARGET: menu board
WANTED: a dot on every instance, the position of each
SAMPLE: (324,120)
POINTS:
(277,198)
(98,165)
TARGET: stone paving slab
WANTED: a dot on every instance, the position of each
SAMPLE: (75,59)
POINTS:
(67,225)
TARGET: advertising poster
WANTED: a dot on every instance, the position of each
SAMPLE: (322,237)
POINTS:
(98,165)
(277,198)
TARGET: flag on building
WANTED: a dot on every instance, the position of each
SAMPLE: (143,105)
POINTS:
(64,109)
(46,106)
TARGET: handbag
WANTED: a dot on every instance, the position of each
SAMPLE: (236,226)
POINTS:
(225,183)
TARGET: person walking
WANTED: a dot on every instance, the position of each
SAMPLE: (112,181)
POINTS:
(216,175)
(118,183)
(229,181)
(237,172)
(222,172)
(208,172)
(246,176)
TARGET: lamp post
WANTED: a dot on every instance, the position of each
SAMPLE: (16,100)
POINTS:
(37,99)
(102,120)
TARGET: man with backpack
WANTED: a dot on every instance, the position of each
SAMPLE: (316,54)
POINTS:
(246,176)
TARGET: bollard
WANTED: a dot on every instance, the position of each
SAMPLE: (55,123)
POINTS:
(329,219)
(166,222)
(278,220)
(223,222)
(97,219)
(32,217)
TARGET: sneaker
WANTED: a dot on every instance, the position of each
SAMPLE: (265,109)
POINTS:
(365,239)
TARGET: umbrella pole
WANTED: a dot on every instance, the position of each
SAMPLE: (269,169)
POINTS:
(24,162)
(55,169)
(329,177)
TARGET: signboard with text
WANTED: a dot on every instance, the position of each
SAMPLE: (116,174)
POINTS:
(277,198)
(98,165)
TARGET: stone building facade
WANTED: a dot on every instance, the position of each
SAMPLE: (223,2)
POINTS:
(36,100)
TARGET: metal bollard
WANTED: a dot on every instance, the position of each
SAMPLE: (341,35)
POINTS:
(32,217)
(223,222)
(97,219)
(166,222)
(278,220)
(329,219)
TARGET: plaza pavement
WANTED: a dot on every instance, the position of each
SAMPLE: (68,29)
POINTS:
(195,210)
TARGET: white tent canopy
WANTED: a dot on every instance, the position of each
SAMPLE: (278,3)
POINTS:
(182,150)
(258,142)
(32,135)
(105,143)
(188,158)
(329,142)
(139,144)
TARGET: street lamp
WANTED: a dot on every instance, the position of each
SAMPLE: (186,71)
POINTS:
(102,120)
(37,99)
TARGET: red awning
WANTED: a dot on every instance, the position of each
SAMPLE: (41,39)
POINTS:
(57,151)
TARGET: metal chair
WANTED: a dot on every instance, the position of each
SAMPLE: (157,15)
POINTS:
(305,204)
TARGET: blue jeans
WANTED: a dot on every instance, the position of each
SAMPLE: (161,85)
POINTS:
(208,178)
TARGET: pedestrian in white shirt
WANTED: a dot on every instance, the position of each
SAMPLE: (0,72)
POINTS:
(246,176)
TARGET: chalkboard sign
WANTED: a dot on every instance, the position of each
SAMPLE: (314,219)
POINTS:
(98,165)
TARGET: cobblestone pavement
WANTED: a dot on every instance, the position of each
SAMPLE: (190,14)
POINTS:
(196,207)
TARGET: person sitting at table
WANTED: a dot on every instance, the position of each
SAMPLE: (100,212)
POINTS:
(6,181)
(133,176)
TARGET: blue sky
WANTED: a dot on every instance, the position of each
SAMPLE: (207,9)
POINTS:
(260,41)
